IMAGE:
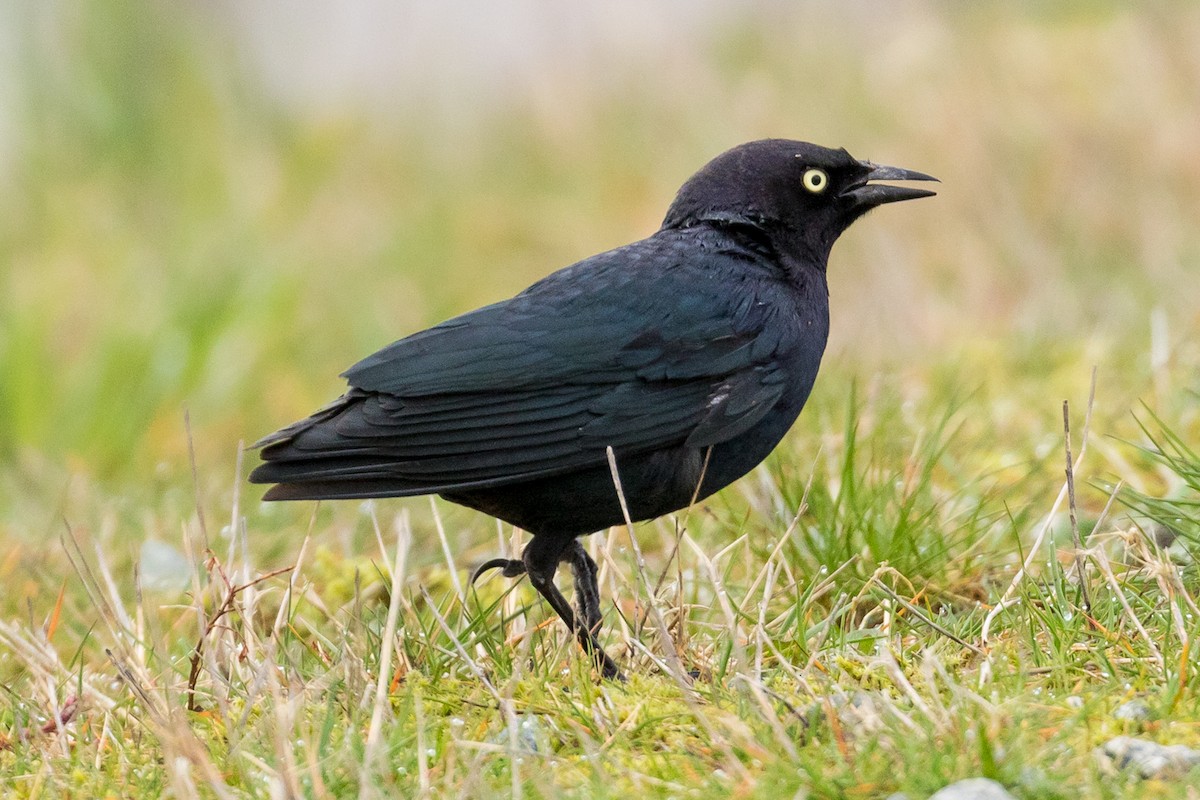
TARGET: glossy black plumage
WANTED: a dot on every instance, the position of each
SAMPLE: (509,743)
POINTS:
(690,353)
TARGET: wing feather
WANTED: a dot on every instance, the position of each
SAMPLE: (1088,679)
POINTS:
(541,384)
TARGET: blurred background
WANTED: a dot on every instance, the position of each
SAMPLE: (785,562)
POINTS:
(217,207)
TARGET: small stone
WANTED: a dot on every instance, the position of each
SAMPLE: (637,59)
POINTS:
(1134,711)
(1147,760)
(973,789)
(1074,701)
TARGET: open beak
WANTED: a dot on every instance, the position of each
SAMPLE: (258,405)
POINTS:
(867,195)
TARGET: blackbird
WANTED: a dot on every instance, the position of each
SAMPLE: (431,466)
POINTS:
(684,357)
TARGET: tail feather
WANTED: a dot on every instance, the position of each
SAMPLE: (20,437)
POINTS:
(358,489)
(370,445)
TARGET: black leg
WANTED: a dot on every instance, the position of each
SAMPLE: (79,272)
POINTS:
(541,557)
(540,561)
(587,590)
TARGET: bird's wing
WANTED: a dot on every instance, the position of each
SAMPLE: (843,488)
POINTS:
(544,382)
(647,310)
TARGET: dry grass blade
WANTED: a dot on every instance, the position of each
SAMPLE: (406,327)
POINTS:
(737,636)
(1080,572)
(386,647)
(199,500)
(679,640)
(1105,566)
(916,612)
(787,534)
(672,658)
(479,672)
(447,553)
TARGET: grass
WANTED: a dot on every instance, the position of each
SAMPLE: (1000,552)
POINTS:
(832,607)
(855,611)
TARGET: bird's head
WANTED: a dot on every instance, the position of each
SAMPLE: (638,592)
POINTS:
(799,195)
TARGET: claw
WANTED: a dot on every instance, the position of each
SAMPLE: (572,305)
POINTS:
(510,568)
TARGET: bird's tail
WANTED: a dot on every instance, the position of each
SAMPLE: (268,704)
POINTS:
(309,460)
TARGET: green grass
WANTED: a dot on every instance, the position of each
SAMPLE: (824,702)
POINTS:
(176,239)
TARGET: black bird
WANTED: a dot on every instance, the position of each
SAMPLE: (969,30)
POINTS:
(689,353)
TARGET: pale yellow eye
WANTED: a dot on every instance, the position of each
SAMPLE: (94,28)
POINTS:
(815,180)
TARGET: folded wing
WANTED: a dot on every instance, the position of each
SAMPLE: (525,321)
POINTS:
(538,385)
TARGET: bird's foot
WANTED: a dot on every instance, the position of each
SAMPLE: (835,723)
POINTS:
(540,561)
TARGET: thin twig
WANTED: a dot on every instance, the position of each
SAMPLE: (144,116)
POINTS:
(1037,543)
(211,623)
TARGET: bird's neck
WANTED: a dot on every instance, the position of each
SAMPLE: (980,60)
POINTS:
(805,271)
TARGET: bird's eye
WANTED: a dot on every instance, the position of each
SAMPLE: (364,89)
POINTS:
(815,180)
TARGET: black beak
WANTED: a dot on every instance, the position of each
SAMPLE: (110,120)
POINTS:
(866,195)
